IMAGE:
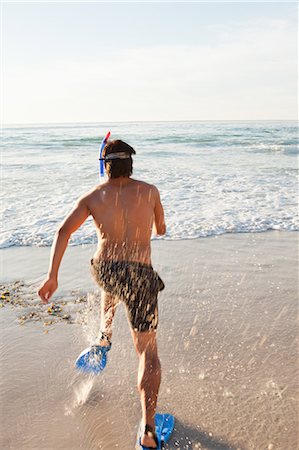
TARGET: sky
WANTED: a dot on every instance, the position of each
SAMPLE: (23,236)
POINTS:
(137,61)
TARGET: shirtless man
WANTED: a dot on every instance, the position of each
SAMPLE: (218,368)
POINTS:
(124,211)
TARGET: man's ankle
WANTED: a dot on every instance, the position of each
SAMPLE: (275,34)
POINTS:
(149,424)
(104,339)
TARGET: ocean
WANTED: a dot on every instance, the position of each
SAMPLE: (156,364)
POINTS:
(214,177)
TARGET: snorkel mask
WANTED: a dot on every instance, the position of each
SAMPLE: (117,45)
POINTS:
(121,154)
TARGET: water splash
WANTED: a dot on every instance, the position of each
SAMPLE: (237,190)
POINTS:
(81,395)
(90,318)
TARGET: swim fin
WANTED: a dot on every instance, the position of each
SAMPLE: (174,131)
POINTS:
(164,425)
(93,359)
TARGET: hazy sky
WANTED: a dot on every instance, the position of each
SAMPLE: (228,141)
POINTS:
(101,62)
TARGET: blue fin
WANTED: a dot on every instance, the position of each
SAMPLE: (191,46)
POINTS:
(164,427)
(93,359)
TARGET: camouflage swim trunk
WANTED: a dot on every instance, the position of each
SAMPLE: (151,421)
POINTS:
(135,284)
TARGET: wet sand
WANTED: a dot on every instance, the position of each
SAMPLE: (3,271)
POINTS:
(228,343)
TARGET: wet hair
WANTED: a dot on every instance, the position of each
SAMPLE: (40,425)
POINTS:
(118,167)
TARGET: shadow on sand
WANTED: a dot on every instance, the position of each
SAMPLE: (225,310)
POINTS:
(187,438)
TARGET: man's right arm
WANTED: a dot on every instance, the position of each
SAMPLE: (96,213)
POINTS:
(159,215)
(71,223)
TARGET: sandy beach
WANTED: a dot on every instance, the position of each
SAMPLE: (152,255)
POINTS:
(120,120)
(228,343)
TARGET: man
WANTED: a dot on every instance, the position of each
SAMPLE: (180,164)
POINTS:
(124,211)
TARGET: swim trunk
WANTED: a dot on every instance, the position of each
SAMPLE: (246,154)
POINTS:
(135,284)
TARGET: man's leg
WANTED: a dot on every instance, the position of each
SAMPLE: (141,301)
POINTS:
(108,308)
(149,378)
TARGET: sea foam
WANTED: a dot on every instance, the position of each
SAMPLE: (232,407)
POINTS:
(214,177)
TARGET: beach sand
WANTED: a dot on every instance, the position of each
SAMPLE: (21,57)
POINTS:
(228,342)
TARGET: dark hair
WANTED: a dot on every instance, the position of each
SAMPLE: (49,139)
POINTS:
(116,168)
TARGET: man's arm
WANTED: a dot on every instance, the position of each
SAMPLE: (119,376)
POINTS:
(71,223)
(159,214)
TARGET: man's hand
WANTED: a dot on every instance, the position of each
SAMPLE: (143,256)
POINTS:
(47,289)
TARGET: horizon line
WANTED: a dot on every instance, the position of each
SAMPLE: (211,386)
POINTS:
(3,125)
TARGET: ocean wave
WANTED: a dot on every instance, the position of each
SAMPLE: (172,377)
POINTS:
(214,178)
(25,239)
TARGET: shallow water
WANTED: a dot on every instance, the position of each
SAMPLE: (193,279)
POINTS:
(227,338)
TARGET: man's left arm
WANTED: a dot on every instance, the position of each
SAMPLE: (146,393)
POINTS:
(70,224)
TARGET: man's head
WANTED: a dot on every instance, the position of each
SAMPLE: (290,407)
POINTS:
(118,159)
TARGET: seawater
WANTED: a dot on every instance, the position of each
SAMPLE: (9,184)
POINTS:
(214,177)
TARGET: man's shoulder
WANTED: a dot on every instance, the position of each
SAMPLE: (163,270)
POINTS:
(92,193)
(146,185)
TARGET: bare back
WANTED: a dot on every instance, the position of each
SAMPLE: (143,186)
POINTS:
(124,212)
